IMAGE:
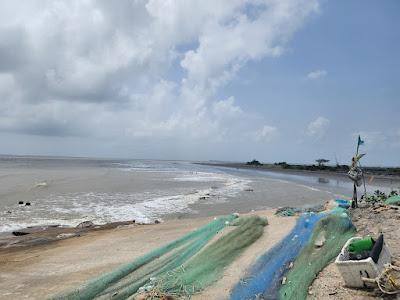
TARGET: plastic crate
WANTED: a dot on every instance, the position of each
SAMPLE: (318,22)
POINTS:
(353,270)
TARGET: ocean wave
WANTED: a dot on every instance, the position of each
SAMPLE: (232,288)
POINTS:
(74,208)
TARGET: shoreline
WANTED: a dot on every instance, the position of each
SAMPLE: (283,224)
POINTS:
(271,168)
(47,234)
(43,233)
(106,195)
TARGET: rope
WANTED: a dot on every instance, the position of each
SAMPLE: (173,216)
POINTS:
(388,281)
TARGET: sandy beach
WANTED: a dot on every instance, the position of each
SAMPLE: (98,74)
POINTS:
(41,271)
(40,261)
(205,150)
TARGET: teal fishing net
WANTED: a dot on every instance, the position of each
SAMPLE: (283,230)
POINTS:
(264,278)
(328,238)
(208,266)
(180,268)
(393,200)
(307,249)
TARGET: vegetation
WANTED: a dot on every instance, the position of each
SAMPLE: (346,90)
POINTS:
(285,165)
(322,161)
(368,171)
(380,197)
(254,163)
(337,168)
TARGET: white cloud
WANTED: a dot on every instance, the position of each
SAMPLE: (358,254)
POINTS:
(317,74)
(318,127)
(266,133)
(227,108)
(103,69)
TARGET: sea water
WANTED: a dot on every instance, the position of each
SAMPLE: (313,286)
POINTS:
(67,191)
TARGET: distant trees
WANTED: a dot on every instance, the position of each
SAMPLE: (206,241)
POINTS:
(254,163)
(283,164)
(321,161)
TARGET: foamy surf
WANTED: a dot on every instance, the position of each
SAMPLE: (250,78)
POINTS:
(73,208)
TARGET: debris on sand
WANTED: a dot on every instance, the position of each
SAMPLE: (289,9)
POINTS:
(43,184)
(370,220)
(85,224)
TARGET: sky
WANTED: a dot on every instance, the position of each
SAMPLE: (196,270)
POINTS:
(233,80)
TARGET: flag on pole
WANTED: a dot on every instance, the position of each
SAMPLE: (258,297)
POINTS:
(360,141)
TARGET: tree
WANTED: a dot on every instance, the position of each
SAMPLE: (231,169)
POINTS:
(321,161)
(254,163)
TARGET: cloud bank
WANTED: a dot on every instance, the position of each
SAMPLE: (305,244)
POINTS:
(138,69)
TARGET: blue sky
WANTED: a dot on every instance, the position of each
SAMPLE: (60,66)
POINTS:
(357,43)
(287,80)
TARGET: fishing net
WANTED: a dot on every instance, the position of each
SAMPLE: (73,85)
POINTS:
(314,241)
(328,238)
(208,266)
(394,200)
(263,279)
(175,268)
(294,211)
(169,256)
(287,211)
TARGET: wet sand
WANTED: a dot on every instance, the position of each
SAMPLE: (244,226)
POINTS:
(41,271)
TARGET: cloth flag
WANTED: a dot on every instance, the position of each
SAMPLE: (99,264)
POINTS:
(360,141)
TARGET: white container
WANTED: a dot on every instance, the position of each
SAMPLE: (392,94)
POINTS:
(353,270)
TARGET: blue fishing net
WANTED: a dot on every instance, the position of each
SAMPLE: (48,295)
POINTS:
(265,276)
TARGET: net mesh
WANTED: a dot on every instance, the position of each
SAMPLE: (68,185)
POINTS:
(125,279)
(178,268)
(328,238)
(263,279)
(394,200)
(185,266)
(208,266)
(297,257)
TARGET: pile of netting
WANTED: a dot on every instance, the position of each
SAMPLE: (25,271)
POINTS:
(393,200)
(288,211)
(178,268)
(266,273)
(208,266)
(328,238)
(287,270)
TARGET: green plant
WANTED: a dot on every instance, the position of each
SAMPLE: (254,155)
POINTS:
(379,196)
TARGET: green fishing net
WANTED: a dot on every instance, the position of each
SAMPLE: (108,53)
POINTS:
(178,268)
(329,236)
(208,266)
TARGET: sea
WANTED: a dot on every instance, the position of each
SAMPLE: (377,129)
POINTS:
(39,191)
